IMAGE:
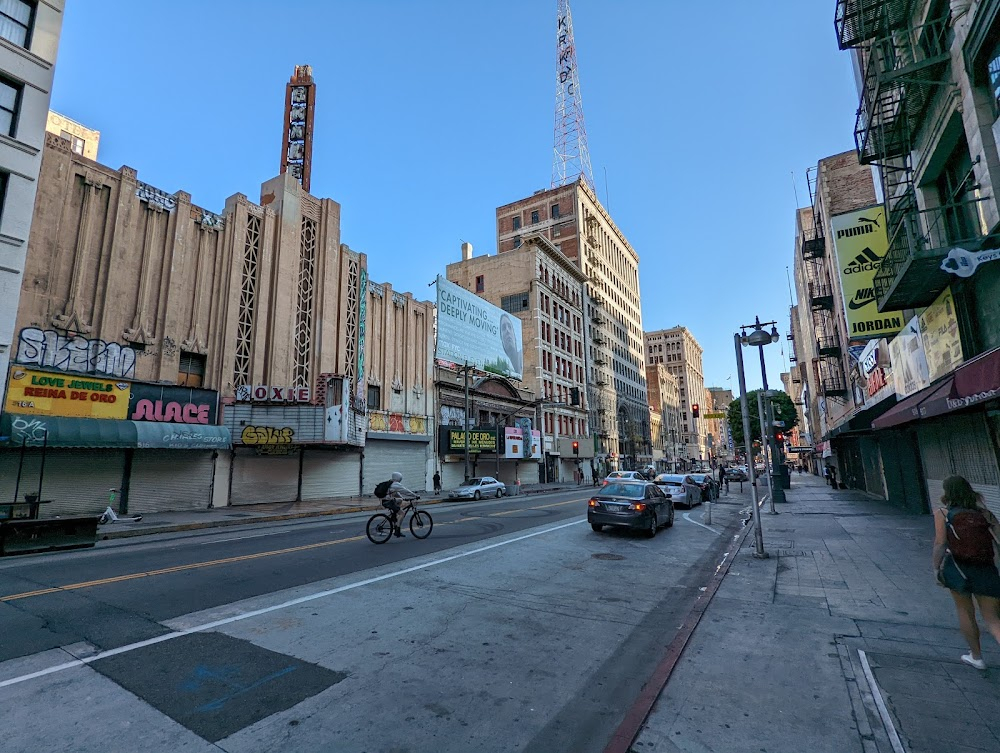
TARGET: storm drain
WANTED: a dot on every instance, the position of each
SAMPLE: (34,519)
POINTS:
(215,684)
(607,556)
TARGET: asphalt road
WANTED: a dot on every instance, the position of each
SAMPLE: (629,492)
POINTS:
(310,622)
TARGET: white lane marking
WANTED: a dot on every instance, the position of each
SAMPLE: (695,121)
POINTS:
(689,519)
(276,607)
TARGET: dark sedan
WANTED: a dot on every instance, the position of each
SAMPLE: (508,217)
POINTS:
(639,505)
(709,490)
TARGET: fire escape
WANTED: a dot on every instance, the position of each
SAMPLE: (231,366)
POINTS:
(826,362)
(903,68)
(601,405)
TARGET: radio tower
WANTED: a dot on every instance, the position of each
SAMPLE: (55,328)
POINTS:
(571,158)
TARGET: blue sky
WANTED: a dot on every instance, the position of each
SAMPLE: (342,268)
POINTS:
(431,114)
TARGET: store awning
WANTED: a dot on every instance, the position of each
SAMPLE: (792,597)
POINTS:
(863,419)
(971,384)
(54,431)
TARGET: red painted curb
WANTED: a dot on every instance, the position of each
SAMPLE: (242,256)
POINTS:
(621,741)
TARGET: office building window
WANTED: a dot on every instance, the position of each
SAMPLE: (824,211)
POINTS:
(516,223)
(514,303)
(16,17)
(10,99)
(480,284)
(534,217)
(191,371)
(517,241)
(555,212)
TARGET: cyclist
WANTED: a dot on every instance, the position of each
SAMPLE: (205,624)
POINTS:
(397,493)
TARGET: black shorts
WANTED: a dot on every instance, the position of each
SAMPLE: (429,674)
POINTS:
(391,504)
(965,578)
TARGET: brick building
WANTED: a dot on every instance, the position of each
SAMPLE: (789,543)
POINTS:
(677,349)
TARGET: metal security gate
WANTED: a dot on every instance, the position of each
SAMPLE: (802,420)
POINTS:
(328,473)
(165,480)
(259,479)
(77,481)
(383,457)
(960,445)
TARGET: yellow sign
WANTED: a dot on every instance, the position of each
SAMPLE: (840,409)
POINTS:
(44,393)
(714,415)
(860,242)
(939,333)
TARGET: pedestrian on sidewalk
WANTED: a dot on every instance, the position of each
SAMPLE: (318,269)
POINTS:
(437,482)
(965,533)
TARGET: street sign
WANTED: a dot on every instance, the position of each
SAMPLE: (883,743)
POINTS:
(714,415)
(779,424)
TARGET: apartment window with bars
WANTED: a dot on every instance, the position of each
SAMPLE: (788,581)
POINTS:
(514,303)
(191,371)
(16,19)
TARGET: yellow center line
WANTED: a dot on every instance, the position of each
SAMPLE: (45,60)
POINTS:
(239,558)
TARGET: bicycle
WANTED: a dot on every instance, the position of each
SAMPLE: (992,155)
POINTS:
(380,525)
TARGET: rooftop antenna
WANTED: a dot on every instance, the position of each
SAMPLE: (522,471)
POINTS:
(571,157)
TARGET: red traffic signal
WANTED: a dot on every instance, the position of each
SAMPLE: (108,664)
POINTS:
(694,410)
(779,436)
(576,448)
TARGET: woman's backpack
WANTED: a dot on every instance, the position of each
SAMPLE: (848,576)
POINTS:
(969,538)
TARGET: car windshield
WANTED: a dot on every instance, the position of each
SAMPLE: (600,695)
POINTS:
(699,477)
(473,482)
(630,491)
(675,480)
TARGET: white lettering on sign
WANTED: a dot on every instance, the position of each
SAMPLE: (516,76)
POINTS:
(266,393)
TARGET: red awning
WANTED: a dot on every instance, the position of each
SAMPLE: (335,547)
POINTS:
(970,384)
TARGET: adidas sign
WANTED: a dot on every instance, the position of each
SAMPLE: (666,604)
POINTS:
(866,261)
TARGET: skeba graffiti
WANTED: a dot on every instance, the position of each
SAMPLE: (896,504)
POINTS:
(47,348)
(267,435)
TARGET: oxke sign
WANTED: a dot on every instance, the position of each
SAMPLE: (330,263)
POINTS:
(266,393)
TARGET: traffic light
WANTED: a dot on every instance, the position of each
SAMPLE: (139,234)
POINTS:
(576,448)
(694,410)
(779,437)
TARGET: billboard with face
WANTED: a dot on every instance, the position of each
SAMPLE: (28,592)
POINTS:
(472,331)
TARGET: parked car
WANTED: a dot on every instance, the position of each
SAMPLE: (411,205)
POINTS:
(624,476)
(477,488)
(680,488)
(649,472)
(709,489)
(736,473)
(639,505)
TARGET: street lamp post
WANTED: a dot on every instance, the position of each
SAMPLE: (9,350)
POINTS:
(758,533)
(765,445)
(778,491)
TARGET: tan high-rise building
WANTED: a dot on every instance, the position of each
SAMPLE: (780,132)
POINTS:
(576,223)
(677,349)
(82,140)
(665,403)
(543,289)
(721,399)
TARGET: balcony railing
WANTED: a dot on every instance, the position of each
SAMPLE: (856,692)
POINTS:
(857,21)
(910,274)
(833,386)
(828,347)
(820,296)
(813,243)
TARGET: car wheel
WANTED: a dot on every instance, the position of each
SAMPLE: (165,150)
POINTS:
(476,495)
(670,520)
(499,493)
(597,527)
(653,526)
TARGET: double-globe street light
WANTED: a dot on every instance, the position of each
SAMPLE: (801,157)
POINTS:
(757,338)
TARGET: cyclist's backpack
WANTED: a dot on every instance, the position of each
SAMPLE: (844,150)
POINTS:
(382,489)
(969,538)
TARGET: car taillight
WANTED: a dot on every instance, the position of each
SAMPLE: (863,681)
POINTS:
(637,506)
(592,503)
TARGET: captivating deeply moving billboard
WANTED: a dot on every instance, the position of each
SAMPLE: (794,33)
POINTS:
(860,241)
(472,331)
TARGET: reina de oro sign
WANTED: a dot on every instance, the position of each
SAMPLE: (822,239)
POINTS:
(42,393)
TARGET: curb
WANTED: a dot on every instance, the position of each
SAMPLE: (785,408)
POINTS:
(179,527)
(630,727)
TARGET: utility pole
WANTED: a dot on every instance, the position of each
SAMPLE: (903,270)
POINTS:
(765,445)
(758,533)
(468,428)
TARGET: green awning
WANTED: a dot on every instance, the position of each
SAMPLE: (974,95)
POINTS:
(34,431)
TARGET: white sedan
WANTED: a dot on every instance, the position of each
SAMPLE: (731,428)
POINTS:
(477,488)
(625,476)
(681,488)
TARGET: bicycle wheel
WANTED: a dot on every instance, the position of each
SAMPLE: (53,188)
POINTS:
(421,524)
(379,528)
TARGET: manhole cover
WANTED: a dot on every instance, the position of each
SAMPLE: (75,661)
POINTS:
(607,556)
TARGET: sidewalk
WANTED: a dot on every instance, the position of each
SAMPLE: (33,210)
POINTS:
(777,663)
(217,517)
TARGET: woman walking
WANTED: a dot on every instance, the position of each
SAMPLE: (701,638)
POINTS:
(964,536)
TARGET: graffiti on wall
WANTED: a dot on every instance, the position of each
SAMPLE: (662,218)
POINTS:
(257,435)
(48,349)
(29,431)
(400,423)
